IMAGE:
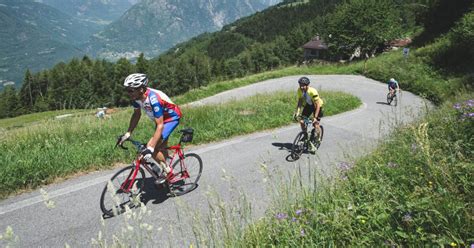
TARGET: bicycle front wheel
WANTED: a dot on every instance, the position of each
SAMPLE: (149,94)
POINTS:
(298,145)
(395,100)
(319,136)
(187,172)
(116,194)
(389,99)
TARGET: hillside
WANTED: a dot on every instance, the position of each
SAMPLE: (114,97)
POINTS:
(36,36)
(153,26)
(264,41)
(95,11)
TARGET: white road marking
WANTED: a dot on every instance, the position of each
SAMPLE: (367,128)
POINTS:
(53,194)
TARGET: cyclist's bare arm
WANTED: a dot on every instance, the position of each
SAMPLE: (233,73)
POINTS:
(137,113)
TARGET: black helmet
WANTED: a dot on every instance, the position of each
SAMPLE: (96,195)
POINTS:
(303,81)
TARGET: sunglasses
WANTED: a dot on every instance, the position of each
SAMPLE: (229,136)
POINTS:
(131,90)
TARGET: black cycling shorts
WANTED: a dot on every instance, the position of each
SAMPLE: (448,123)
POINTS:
(308,111)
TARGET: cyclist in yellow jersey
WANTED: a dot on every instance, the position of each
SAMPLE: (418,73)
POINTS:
(311,102)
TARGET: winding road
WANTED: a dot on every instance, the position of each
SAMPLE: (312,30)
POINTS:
(231,167)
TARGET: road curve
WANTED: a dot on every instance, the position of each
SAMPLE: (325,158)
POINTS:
(230,167)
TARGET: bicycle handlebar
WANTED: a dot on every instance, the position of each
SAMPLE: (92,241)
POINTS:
(138,145)
(304,118)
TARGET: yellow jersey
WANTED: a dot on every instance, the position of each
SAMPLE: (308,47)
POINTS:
(310,95)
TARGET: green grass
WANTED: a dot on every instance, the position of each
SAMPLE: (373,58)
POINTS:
(414,190)
(25,120)
(35,155)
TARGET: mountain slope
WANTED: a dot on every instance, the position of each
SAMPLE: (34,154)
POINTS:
(35,36)
(153,26)
(100,12)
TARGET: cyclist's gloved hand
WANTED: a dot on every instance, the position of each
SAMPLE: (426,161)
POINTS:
(147,153)
(124,137)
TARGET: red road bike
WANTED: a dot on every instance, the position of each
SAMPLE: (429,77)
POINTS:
(125,186)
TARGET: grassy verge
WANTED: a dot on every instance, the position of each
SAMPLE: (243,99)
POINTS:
(35,155)
(25,120)
(415,189)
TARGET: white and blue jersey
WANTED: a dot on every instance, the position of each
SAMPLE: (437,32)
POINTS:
(158,104)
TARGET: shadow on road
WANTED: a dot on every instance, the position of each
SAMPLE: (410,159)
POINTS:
(283,146)
(152,192)
(287,147)
(384,103)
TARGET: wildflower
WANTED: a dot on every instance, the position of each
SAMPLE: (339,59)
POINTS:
(362,221)
(453,244)
(345,166)
(414,147)
(457,106)
(407,218)
(299,211)
(293,219)
(302,232)
(350,207)
(392,165)
(281,216)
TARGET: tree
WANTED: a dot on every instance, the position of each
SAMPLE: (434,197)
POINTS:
(142,64)
(26,93)
(8,102)
(364,25)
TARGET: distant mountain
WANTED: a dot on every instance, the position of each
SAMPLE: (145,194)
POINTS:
(101,12)
(153,26)
(36,36)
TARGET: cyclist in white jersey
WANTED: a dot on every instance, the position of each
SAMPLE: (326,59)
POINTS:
(161,111)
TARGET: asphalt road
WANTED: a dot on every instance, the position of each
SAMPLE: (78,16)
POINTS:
(232,168)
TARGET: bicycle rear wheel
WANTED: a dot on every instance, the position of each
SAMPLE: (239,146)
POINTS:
(298,145)
(115,195)
(187,172)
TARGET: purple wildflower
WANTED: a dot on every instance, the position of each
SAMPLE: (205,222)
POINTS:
(472,245)
(281,216)
(457,106)
(345,166)
(293,219)
(299,211)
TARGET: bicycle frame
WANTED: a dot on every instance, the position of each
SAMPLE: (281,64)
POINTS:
(127,185)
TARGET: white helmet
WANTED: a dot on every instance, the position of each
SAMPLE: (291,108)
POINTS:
(392,80)
(136,80)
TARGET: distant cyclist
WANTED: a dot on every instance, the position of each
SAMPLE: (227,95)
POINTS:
(392,86)
(161,111)
(312,104)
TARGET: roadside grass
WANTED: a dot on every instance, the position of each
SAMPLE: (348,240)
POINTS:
(25,120)
(415,188)
(39,154)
